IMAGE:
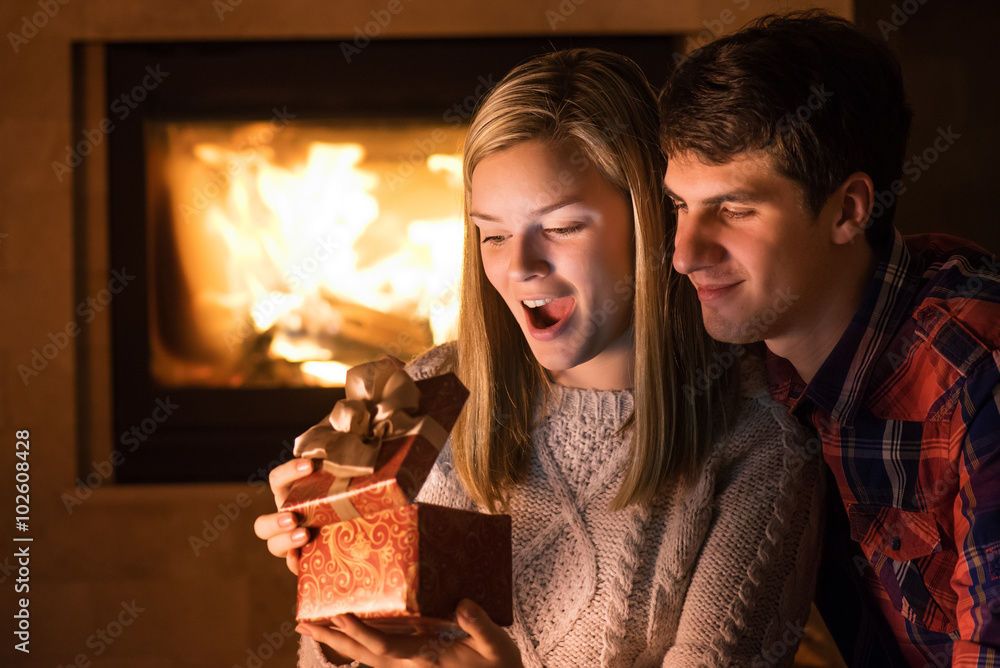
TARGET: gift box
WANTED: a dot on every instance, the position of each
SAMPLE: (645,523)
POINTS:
(405,569)
(400,469)
(400,566)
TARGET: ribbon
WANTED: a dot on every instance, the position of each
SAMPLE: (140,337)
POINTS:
(378,406)
(380,403)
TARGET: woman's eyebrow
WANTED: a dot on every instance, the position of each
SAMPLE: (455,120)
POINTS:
(575,199)
(483,216)
(541,211)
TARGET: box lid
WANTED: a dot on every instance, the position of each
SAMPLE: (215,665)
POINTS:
(400,469)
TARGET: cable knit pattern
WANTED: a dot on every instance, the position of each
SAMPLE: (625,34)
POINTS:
(705,576)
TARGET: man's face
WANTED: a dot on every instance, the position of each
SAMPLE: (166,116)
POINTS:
(751,248)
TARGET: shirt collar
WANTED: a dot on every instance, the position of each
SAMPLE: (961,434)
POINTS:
(839,387)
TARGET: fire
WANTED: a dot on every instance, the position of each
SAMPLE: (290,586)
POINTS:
(308,253)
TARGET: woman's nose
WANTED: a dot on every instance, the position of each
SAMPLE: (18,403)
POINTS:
(528,258)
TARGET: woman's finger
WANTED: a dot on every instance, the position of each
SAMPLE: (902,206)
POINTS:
(268,526)
(283,475)
(292,560)
(280,545)
(373,641)
(485,637)
(481,629)
(340,643)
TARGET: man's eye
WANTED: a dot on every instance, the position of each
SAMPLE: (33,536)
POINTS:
(736,215)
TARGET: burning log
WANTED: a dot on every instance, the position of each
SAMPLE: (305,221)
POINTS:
(363,334)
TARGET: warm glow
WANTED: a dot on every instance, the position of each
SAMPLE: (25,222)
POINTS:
(310,252)
(326,373)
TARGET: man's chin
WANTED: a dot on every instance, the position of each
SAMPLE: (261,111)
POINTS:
(729,332)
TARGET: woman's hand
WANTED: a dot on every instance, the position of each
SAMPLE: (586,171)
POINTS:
(281,530)
(487,645)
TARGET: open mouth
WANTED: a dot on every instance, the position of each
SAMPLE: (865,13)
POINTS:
(548,314)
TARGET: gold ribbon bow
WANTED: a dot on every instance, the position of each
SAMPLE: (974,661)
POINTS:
(378,406)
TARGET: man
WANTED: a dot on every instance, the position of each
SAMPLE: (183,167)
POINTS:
(785,142)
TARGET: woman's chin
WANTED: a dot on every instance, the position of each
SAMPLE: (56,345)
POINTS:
(553,361)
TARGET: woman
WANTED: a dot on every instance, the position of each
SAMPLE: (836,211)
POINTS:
(658,518)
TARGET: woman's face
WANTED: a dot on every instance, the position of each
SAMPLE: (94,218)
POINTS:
(556,242)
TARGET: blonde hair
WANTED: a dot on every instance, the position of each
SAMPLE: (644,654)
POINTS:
(600,103)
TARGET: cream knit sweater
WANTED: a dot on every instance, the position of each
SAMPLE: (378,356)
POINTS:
(721,574)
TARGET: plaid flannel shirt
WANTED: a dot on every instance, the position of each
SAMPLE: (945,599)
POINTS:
(908,410)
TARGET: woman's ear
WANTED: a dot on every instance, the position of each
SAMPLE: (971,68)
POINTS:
(853,202)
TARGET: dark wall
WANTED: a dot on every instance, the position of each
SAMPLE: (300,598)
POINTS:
(951,64)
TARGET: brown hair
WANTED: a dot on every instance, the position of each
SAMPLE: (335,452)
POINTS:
(601,104)
(820,98)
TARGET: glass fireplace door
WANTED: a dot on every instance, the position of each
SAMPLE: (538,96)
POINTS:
(285,252)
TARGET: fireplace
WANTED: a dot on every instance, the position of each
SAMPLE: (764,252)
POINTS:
(284,252)
(288,210)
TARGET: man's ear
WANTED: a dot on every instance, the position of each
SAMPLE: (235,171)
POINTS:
(851,206)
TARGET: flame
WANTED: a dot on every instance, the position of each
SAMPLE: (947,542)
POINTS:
(297,251)
(326,373)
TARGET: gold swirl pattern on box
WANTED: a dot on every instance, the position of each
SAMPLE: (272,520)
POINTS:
(367,566)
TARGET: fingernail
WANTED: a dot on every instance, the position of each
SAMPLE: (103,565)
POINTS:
(286,521)
(299,535)
(304,466)
(302,629)
(466,610)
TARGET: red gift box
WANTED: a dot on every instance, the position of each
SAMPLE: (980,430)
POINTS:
(402,466)
(401,566)
(407,568)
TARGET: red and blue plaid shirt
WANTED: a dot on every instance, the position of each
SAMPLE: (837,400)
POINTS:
(908,409)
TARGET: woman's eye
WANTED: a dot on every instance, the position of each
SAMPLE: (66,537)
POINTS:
(563,231)
(492,240)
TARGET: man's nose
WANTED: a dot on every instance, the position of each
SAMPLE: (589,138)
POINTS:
(696,243)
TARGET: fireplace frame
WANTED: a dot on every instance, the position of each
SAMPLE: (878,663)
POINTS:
(219,435)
